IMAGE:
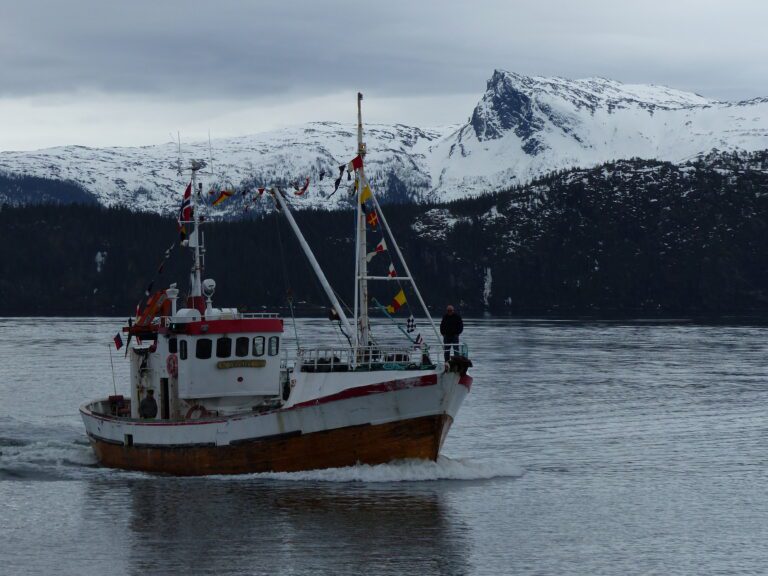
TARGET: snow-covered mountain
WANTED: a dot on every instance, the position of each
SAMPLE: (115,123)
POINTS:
(147,177)
(521,128)
(524,127)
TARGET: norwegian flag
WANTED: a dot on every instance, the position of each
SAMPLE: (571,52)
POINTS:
(185,212)
(410,324)
(380,247)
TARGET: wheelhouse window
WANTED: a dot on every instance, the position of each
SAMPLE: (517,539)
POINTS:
(258,346)
(241,347)
(274,345)
(183,350)
(203,349)
(224,347)
(172,346)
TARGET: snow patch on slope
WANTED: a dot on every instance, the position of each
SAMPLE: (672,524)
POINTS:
(435,224)
(522,127)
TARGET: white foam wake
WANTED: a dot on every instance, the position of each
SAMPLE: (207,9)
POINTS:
(404,471)
(44,459)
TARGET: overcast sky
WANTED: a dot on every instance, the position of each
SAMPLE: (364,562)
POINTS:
(129,73)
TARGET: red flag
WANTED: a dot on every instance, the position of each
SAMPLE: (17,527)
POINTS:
(118,341)
(380,247)
(303,190)
(356,164)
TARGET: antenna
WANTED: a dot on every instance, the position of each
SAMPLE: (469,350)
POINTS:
(114,385)
(210,152)
(178,165)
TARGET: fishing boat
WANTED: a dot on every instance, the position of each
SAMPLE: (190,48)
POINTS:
(228,399)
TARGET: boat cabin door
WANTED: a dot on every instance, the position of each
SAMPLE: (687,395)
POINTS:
(165,400)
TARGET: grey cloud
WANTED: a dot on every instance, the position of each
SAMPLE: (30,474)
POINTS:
(242,49)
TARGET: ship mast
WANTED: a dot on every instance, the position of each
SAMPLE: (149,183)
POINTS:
(195,241)
(361,266)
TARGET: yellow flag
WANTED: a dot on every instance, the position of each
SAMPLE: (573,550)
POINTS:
(365,194)
(223,195)
(397,301)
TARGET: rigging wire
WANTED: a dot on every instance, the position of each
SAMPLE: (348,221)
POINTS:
(316,281)
(288,291)
(158,272)
(338,324)
(399,283)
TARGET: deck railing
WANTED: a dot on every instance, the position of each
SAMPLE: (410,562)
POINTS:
(167,320)
(364,358)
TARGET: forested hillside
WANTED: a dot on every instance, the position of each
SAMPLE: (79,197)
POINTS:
(630,238)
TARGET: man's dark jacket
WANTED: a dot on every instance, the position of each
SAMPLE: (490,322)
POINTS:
(452,325)
(148,407)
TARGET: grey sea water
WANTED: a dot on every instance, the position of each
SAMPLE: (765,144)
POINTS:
(584,448)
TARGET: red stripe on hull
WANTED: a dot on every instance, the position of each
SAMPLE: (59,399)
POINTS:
(204,327)
(369,444)
(391,386)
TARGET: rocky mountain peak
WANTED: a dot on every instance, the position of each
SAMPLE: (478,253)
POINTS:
(508,104)
(525,104)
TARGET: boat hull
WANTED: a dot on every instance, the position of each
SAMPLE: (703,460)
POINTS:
(368,444)
(392,420)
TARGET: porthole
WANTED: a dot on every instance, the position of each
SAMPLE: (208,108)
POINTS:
(203,349)
(224,347)
(241,347)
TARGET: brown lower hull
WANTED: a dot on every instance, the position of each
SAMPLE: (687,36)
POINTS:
(370,444)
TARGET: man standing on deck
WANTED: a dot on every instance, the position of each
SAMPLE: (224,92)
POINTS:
(451,326)
(148,406)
